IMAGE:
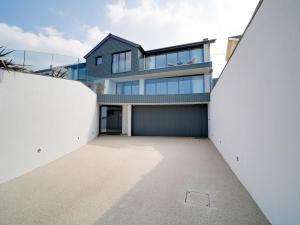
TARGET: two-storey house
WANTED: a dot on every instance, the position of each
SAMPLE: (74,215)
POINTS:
(160,92)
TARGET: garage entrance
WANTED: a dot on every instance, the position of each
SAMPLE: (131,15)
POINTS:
(171,120)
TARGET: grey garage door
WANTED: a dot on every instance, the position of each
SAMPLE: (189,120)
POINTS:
(175,120)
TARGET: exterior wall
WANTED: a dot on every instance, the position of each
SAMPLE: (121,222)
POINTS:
(124,119)
(254,111)
(39,112)
(106,50)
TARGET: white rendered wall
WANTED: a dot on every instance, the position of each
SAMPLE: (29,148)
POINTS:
(124,119)
(38,112)
(255,111)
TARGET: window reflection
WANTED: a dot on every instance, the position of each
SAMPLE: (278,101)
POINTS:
(128,88)
(175,85)
(171,59)
(121,62)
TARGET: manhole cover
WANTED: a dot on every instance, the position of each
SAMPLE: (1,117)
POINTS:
(197,198)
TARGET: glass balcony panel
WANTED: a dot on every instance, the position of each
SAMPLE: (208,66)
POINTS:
(160,61)
(172,59)
(197,84)
(197,55)
(173,86)
(161,86)
(183,58)
(150,62)
(150,87)
(185,85)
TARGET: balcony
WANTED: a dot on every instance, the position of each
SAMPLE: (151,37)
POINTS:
(154,99)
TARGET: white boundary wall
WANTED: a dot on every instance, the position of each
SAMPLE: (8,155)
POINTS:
(38,112)
(255,111)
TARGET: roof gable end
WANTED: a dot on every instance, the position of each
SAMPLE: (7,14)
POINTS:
(109,36)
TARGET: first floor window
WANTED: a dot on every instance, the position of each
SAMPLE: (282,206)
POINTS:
(128,88)
(121,62)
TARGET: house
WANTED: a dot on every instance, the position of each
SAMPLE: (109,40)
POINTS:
(160,92)
(231,45)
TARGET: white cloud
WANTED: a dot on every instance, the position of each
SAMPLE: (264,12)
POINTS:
(49,40)
(151,23)
(154,24)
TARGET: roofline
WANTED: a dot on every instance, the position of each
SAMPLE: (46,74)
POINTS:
(152,51)
(115,37)
(177,47)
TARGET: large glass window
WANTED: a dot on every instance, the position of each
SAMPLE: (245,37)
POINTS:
(128,88)
(128,62)
(150,62)
(160,61)
(186,57)
(150,87)
(172,59)
(185,85)
(197,55)
(135,87)
(121,62)
(183,58)
(161,86)
(173,85)
(197,84)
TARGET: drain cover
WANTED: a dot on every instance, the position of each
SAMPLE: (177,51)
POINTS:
(197,198)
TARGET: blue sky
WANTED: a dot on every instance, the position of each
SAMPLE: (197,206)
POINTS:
(74,27)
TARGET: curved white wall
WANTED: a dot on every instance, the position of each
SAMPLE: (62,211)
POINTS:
(55,115)
(255,111)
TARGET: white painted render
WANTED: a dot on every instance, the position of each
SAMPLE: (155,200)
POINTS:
(255,111)
(129,116)
(124,119)
(54,115)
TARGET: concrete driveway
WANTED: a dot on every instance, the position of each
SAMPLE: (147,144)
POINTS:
(116,180)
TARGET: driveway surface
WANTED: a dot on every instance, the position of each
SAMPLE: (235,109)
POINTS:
(118,180)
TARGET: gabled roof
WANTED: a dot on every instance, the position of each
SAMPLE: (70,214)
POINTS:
(114,37)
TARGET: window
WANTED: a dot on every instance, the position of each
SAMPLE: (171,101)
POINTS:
(121,62)
(160,61)
(161,86)
(175,85)
(99,60)
(183,58)
(197,84)
(172,59)
(135,88)
(197,55)
(185,85)
(128,88)
(150,62)
(150,87)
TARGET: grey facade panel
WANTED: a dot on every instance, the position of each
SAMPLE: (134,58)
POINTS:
(182,120)
(106,50)
(179,98)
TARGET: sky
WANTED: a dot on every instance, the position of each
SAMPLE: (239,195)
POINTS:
(74,27)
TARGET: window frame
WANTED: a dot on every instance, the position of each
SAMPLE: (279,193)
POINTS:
(117,54)
(96,60)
